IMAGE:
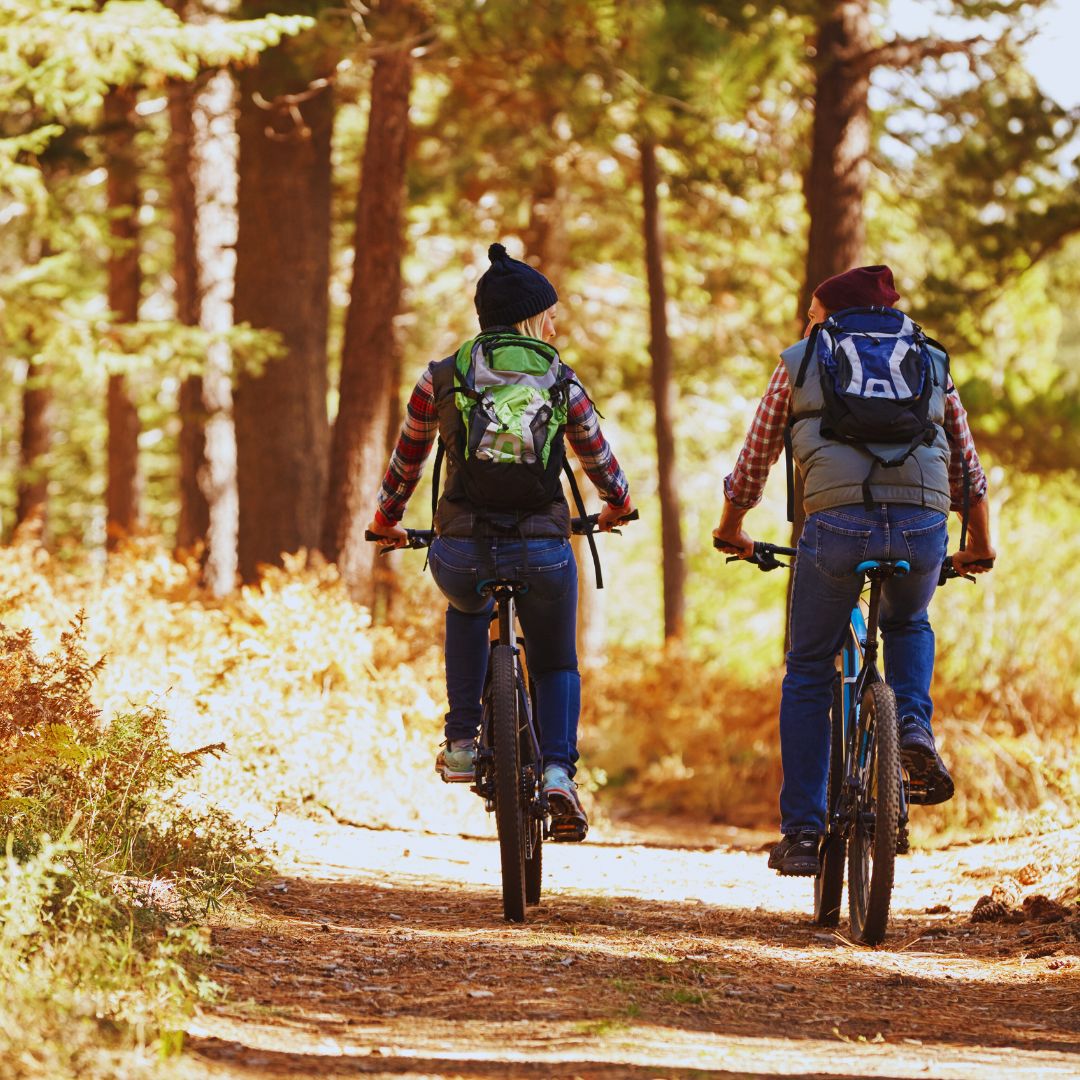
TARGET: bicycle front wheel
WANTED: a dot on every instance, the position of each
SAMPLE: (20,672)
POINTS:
(872,856)
(534,823)
(509,818)
(829,883)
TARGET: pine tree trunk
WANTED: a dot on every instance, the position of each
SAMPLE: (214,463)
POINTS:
(835,183)
(215,154)
(194,521)
(124,284)
(674,567)
(31,509)
(368,362)
(282,276)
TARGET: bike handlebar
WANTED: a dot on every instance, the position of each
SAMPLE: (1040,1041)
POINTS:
(764,557)
(414,538)
(580,526)
(422,538)
(948,571)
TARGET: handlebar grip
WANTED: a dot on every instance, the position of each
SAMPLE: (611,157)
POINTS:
(949,571)
(721,546)
(579,526)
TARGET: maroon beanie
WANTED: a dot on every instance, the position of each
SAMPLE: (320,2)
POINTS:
(865,286)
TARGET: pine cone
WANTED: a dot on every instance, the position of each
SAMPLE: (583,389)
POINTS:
(988,910)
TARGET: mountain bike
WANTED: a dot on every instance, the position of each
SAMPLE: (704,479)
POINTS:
(509,765)
(868,792)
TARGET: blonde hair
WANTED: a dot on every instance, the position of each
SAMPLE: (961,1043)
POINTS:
(532,326)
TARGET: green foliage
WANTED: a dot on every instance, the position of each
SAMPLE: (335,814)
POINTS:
(107,857)
(111,789)
(61,56)
(81,994)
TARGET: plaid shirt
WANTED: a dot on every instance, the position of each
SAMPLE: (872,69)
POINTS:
(422,425)
(744,485)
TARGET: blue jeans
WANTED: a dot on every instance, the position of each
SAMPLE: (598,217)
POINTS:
(548,615)
(823,592)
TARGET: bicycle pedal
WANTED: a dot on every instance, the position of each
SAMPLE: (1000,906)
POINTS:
(568,831)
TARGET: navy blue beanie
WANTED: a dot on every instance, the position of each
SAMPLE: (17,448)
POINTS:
(510,291)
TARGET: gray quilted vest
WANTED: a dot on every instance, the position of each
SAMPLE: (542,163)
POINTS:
(833,472)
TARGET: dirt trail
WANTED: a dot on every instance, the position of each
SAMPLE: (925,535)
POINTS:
(383,954)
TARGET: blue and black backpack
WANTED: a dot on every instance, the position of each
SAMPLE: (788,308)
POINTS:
(877,378)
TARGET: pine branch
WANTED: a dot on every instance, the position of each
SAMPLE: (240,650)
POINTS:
(910,53)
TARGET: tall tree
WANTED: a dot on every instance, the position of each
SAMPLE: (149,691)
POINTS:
(282,278)
(194,520)
(215,154)
(839,167)
(369,361)
(674,566)
(122,495)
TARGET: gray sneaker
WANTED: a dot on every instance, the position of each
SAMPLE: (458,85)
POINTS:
(456,761)
(568,821)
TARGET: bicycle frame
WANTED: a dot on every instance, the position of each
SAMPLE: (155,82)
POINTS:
(503,593)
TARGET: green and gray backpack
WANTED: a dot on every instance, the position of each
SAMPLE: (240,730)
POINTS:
(512,393)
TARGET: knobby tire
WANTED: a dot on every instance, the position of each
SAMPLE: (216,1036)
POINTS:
(509,819)
(829,883)
(872,857)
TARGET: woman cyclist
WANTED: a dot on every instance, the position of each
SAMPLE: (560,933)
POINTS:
(520,530)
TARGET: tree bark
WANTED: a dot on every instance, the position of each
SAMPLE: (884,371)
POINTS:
(835,183)
(674,567)
(194,521)
(124,284)
(282,275)
(368,362)
(215,155)
(31,509)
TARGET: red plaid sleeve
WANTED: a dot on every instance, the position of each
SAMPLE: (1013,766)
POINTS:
(593,450)
(744,485)
(418,432)
(961,449)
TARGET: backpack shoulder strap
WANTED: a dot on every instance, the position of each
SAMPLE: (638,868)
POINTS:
(808,353)
(580,504)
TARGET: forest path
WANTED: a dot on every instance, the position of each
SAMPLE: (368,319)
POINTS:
(384,954)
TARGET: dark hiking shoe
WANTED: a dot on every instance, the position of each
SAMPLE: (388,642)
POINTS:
(568,821)
(929,782)
(796,855)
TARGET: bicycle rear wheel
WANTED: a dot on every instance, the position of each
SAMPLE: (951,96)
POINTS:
(829,883)
(872,857)
(509,819)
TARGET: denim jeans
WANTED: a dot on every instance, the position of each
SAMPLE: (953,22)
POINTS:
(824,591)
(548,615)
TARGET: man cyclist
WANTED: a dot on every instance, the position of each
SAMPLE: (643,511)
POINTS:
(908,522)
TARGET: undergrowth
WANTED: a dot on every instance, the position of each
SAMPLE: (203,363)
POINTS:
(106,865)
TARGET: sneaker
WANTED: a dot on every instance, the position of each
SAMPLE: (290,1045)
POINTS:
(796,855)
(568,821)
(929,780)
(456,761)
